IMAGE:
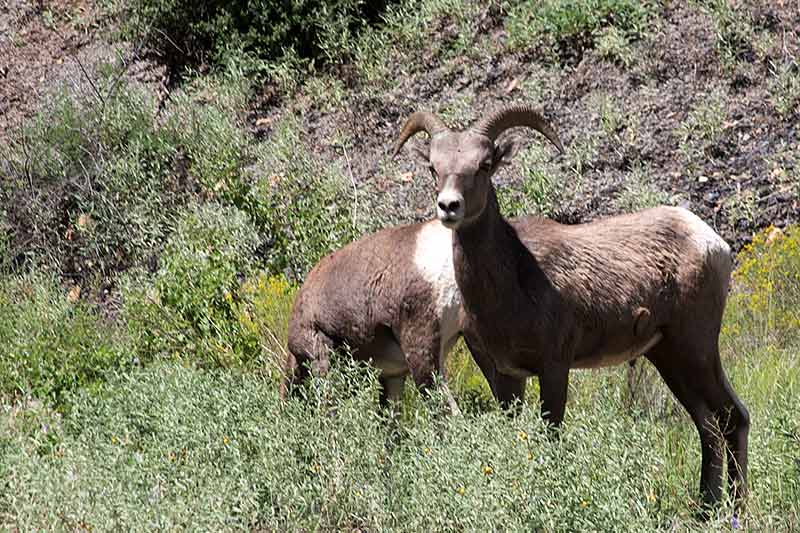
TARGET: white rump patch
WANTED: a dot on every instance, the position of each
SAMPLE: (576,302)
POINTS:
(705,239)
(433,258)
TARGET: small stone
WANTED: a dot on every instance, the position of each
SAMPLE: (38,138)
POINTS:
(73,294)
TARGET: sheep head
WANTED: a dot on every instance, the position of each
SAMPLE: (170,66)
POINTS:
(463,162)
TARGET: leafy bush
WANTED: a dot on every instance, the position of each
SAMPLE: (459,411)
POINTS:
(305,206)
(768,288)
(188,310)
(219,451)
(411,33)
(735,32)
(264,311)
(188,33)
(784,88)
(639,191)
(704,127)
(565,28)
(89,187)
(109,178)
(50,343)
(540,192)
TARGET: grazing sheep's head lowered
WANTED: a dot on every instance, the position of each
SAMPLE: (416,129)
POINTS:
(463,162)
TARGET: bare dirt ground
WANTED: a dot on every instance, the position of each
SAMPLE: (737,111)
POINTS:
(47,44)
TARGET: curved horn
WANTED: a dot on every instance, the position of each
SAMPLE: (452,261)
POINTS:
(418,121)
(519,115)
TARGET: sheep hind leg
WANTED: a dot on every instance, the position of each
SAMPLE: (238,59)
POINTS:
(696,379)
(735,424)
(426,359)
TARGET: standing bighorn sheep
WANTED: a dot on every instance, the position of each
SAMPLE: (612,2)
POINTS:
(542,298)
(391,297)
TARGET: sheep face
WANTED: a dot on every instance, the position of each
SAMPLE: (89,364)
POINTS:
(462,164)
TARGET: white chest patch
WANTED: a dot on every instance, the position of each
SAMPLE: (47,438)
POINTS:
(433,258)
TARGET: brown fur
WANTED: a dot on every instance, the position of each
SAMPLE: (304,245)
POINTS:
(369,297)
(542,298)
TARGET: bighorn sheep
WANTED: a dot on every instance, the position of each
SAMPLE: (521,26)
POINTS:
(542,298)
(390,296)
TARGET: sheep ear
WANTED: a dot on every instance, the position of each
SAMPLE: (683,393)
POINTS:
(505,150)
(421,153)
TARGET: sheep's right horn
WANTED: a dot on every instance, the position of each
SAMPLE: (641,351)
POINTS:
(417,122)
(513,116)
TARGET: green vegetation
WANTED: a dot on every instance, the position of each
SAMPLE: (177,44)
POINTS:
(568,27)
(52,343)
(151,247)
(247,32)
(639,192)
(539,193)
(218,450)
(704,126)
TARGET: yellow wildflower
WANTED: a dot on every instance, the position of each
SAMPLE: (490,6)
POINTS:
(488,470)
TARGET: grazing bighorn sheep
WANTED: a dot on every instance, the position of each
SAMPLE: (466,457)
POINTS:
(542,298)
(390,296)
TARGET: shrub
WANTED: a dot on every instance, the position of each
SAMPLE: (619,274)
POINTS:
(766,304)
(188,33)
(97,194)
(304,205)
(566,28)
(639,191)
(704,127)
(51,343)
(108,179)
(216,450)
(540,192)
(784,88)
(734,30)
(189,309)
(264,311)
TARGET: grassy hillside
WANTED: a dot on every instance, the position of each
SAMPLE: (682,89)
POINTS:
(169,175)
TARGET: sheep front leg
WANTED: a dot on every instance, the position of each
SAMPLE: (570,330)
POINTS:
(553,383)
(509,391)
(423,350)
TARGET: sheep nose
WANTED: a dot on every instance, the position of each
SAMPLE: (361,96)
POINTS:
(449,205)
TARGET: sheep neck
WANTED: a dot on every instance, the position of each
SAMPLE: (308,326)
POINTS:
(486,255)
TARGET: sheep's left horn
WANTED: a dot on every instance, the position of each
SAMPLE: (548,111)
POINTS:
(417,122)
(510,117)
